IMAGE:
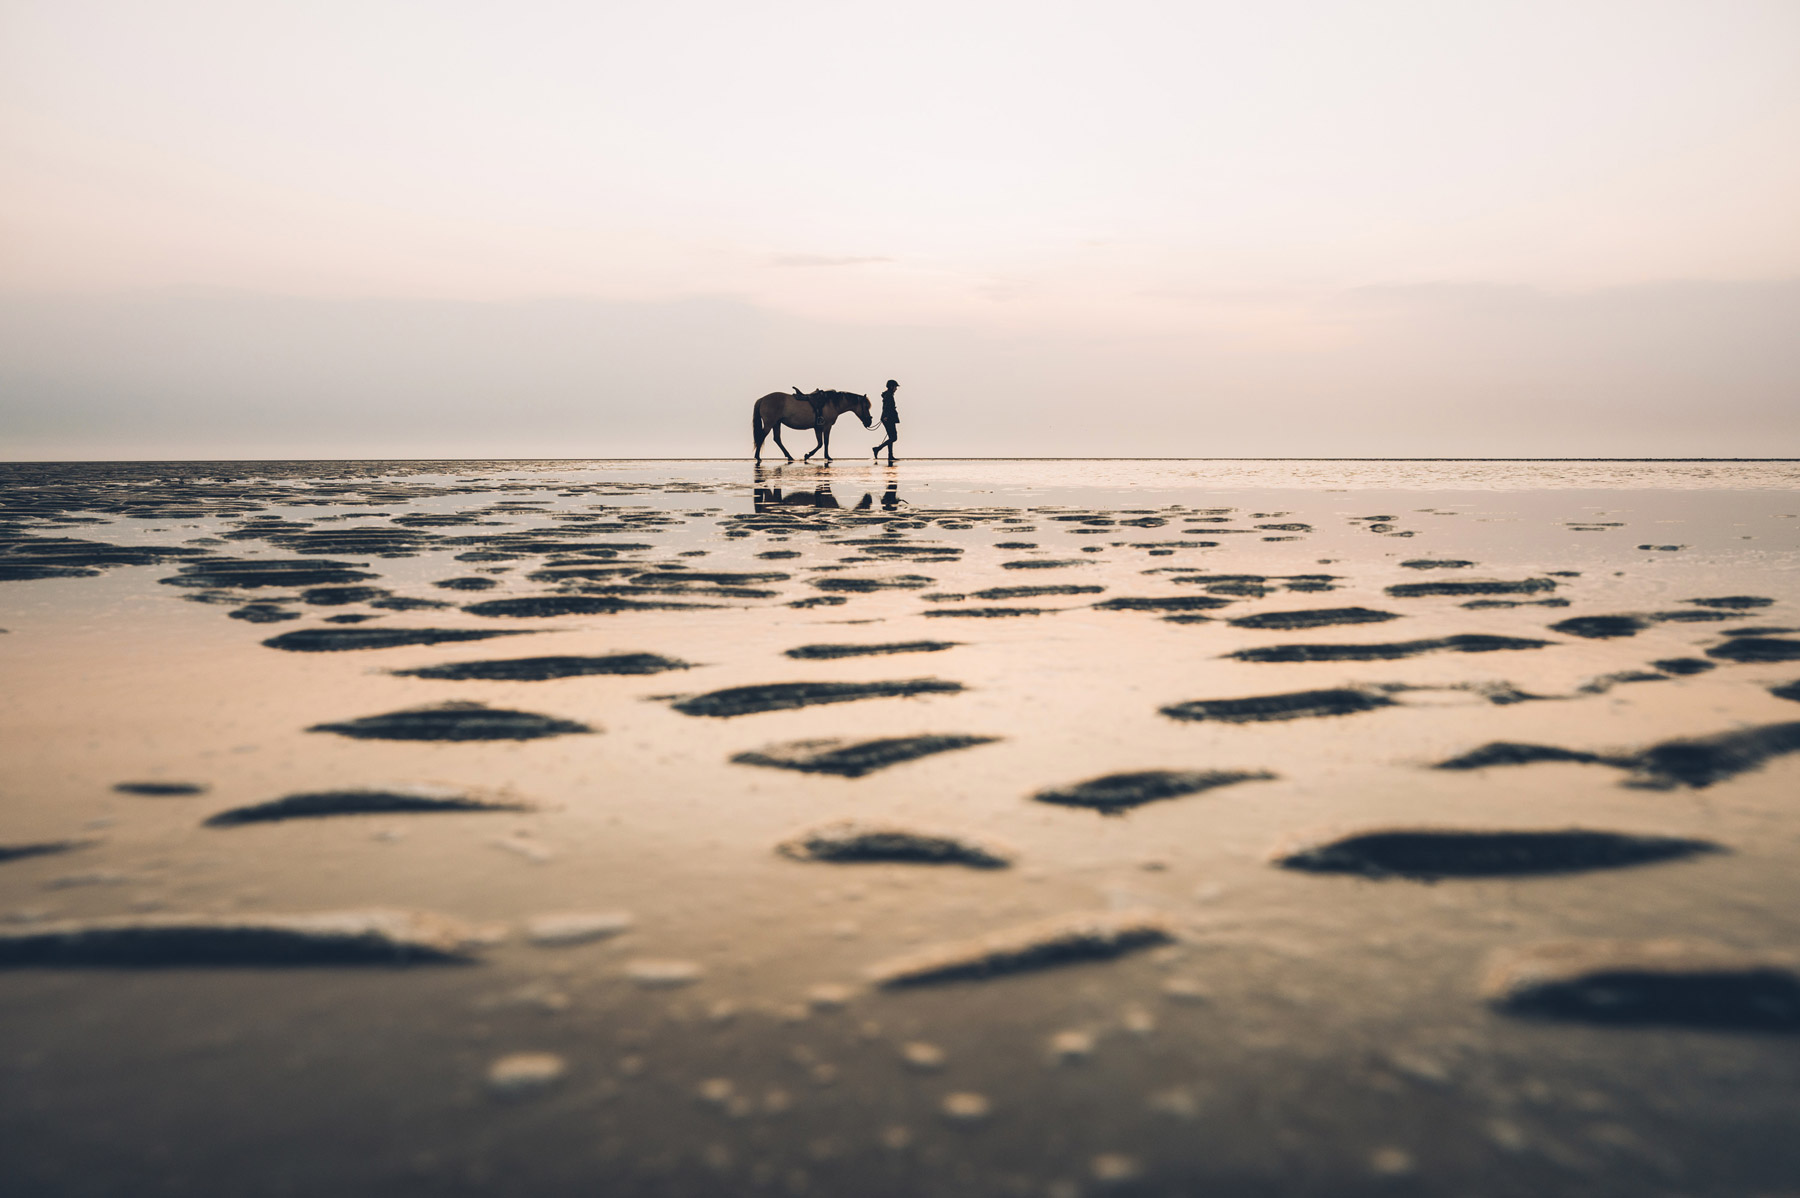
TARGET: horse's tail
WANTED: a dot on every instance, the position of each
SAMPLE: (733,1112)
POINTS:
(758,430)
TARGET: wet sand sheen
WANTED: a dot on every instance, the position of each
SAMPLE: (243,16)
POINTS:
(821,943)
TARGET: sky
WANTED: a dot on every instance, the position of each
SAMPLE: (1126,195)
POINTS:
(1299,227)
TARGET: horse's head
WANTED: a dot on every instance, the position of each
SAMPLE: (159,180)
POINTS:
(860,405)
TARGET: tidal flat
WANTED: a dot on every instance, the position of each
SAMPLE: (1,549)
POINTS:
(657,828)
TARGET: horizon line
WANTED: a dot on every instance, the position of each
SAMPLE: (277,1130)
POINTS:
(809,465)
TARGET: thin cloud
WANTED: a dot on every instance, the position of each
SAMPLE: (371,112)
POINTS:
(824,260)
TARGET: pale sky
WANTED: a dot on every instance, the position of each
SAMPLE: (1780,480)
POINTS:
(591,229)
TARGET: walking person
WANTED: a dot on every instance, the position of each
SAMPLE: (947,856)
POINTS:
(890,420)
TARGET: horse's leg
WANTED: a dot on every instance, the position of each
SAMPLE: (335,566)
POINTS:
(825,442)
(775,429)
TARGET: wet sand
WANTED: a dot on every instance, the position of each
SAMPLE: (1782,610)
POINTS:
(1035,828)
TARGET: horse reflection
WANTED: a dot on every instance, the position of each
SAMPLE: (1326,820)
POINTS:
(775,499)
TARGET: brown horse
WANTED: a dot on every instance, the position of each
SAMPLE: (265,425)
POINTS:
(817,411)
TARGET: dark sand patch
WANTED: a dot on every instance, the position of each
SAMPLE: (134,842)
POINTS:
(830,652)
(45,848)
(454,722)
(1703,616)
(1114,793)
(1684,666)
(1241,590)
(351,618)
(991,612)
(1645,982)
(1523,586)
(851,841)
(263,613)
(1598,627)
(542,669)
(404,603)
(1605,682)
(1787,690)
(1733,602)
(336,596)
(233,574)
(340,640)
(1293,706)
(657,577)
(530,606)
(1469,643)
(1316,618)
(1494,604)
(1044,563)
(1176,603)
(581,572)
(467,583)
(160,790)
(1428,854)
(1434,563)
(326,803)
(819,601)
(1032,592)
(1506,752)
(1756,648)
(784,696)
(1688,761)
(360,542)
(328,938)
(853,759)
(1702,761)
(1063,940)
(899,582)
(25,558)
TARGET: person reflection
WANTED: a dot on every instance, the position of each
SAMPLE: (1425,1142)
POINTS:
(890,498)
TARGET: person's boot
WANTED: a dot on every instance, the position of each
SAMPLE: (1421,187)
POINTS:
(877,453)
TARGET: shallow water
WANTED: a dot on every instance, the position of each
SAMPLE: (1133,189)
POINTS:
(637,771)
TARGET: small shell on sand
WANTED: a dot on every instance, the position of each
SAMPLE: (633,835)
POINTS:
(864,840)
(829,996)
(576,927)
(1111,1169)
(1072,1046)
(966,1107)
(1079,937)
(324,938)
(663,975)
(523,1074)
(1675,982)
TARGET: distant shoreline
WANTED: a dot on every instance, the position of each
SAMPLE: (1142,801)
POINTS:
(776,466)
